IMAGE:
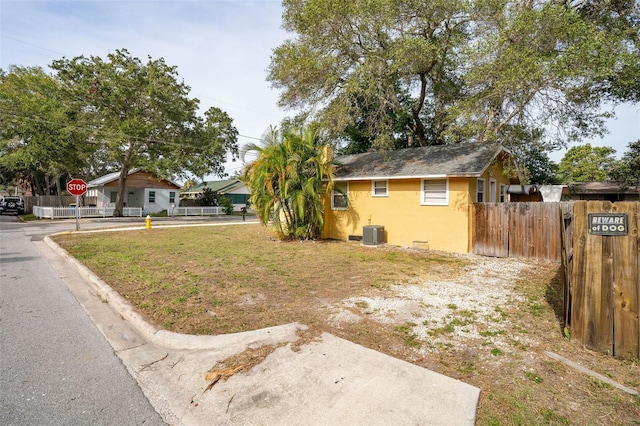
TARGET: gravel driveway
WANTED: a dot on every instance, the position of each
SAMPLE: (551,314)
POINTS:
(450,312)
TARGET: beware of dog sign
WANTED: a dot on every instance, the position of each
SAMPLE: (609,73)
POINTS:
(608,224)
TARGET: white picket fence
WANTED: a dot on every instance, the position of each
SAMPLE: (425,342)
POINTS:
(196,211)
(70,212)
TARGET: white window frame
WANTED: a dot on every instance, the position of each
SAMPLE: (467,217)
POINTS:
(382,191)
(481,190)
(493,187)
(152,197)
(172,197)
(503,193)
(335,194)
(439,201)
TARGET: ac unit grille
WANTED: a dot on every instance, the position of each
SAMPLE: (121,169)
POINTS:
(373,235)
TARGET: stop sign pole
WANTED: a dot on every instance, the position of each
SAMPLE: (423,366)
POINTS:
(77,187)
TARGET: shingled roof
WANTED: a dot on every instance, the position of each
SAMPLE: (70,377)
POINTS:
(112,177)
(602,188)
(221,186)
(461,159)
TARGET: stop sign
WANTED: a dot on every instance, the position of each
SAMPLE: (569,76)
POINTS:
(76,187)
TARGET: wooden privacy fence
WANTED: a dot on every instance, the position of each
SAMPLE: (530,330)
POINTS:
(529,230)
(602,279)
(599,245)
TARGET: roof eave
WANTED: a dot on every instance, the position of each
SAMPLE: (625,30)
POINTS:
(93,184)
(499,151)
(428,176)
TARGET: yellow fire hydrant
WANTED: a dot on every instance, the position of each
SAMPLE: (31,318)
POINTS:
(147,222)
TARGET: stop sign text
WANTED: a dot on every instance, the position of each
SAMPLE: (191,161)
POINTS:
(77,187)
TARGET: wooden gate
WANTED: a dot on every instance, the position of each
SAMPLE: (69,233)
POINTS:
(603,287)
(530,230)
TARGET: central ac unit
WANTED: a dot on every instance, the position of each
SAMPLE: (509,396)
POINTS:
(372,235)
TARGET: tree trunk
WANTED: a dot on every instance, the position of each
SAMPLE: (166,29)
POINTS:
(415,112)
(59,190)
(122,180)
(122,184)
(47,185)
(35,184)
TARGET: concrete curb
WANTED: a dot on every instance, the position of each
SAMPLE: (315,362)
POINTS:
(168,339)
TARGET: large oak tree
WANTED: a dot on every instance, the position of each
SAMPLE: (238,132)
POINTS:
(40,141)
(418,72)
(141,116)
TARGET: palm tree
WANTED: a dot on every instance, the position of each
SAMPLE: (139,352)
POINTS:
(288,181)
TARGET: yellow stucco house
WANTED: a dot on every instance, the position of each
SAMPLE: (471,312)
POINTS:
(416,197)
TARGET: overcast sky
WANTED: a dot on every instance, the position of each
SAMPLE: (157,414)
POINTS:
(221,50)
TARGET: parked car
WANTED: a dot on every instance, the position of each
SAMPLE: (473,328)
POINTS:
(11,205)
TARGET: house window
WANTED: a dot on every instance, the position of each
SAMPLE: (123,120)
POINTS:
(480,191)
(435,192)
(172,197)
(113,196)
(492,190)
(503,193)
(379,188)
(339,200)
(152,196)
(239,198)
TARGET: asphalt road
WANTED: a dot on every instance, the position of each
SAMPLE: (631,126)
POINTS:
(56,368)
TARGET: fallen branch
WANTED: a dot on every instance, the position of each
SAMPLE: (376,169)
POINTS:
(591,373)
(145,366)
(213,376)
(176,363)
(244,361)
(229,403)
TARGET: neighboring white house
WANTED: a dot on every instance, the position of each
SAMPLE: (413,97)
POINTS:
(232,188)
(143,189)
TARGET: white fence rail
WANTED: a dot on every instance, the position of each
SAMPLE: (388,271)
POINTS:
(196,211)
(70,212)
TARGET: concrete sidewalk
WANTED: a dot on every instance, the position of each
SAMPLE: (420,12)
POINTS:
(323,381)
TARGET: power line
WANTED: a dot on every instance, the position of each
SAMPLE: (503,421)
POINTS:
(32,44)
(251,137)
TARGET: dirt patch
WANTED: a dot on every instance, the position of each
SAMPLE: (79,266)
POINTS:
(487,322)
(450,312)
